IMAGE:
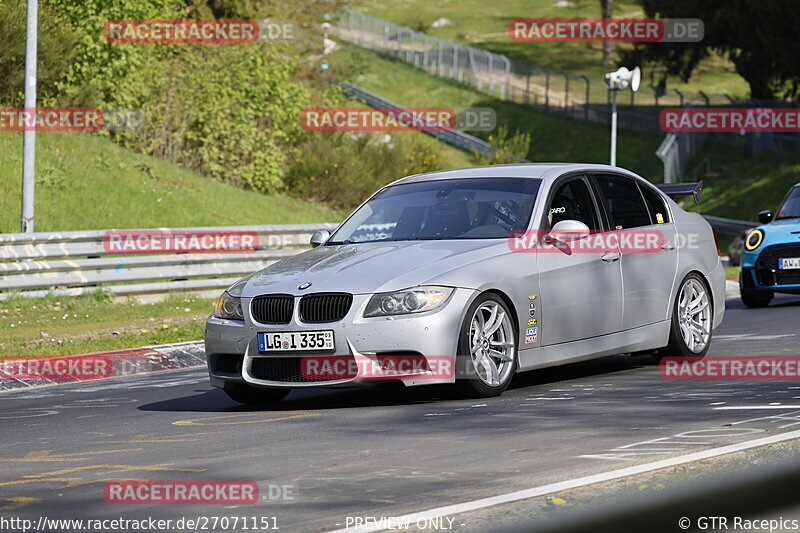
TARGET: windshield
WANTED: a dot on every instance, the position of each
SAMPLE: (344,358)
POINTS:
(487,208)
(790,208)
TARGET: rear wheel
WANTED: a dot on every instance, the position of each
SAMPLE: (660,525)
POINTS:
(752,298)
(487,348)
(692,319)
(254,396)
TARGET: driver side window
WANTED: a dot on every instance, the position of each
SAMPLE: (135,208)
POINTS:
(573,200)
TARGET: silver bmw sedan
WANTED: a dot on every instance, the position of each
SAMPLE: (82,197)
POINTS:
(468,276)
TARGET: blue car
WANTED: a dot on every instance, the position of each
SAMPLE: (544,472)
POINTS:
(771,256)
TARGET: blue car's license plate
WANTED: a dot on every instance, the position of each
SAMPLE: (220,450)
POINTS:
(787,263)
(296,341)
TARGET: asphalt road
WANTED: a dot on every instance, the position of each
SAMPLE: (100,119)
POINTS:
(381,452)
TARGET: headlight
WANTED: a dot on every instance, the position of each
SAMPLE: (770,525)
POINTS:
(229,305)
(753,240)
(416,300)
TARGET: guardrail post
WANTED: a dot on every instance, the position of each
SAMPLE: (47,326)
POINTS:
(440,59)
(546,87)
(506,87)
(424,51)
(490,71)
(586,105)
(680,95)
(528,87)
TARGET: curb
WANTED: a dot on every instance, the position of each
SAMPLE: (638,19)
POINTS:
(132,361)
(732,289)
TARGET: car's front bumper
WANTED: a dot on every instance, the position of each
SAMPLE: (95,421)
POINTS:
(760,269)
(232,353)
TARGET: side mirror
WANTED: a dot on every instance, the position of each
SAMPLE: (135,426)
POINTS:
(319,237)
(569,230)
(765,217)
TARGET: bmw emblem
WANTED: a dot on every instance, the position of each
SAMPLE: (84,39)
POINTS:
(305,285)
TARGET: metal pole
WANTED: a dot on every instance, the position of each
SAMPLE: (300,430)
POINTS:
(29,135)
(613,128)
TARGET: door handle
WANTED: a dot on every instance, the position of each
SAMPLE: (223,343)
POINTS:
(668,246)
(610,257)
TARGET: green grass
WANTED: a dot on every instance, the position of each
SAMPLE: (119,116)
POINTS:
(484,25)
(738,186)
(732,273)
(54,325)
(84,181)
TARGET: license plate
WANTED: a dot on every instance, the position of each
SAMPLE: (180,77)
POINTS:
(787,263)
(295,341)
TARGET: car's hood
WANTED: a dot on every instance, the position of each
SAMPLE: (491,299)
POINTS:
(787,228)
(372,267)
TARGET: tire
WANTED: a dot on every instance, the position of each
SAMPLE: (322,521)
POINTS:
(690,332)
(485,372)
(254,396)
(754,298)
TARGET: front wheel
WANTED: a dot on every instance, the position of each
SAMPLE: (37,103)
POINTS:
(254,396)
(692,319)
(487,348)
(754,298)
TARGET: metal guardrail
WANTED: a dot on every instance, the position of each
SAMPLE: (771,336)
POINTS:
(75,262)
(456,138)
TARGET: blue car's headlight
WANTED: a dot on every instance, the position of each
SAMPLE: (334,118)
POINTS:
(753,240)
(416,300)
(229,305)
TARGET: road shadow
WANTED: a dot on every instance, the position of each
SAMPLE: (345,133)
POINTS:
(392,394)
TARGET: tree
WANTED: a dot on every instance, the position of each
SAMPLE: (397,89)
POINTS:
(758,36)
(608,46)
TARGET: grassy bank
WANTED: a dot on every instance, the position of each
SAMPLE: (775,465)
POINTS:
(52,325)
(84,181)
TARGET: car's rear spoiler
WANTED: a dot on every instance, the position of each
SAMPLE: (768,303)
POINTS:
(674,190)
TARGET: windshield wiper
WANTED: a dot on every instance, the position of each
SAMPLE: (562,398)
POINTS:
(785,218)
(333,243)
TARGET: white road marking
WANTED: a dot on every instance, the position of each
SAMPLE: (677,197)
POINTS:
(449,510)
(754,407)
(746,337)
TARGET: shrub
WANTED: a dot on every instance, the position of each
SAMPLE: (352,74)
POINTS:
(229,112)
(344,169)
